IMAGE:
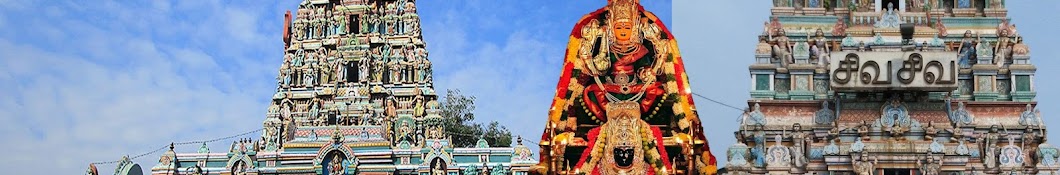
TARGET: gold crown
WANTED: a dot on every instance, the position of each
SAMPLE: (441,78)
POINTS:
(623,10)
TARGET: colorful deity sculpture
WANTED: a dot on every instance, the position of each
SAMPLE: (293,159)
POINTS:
(966,54)
(622,67)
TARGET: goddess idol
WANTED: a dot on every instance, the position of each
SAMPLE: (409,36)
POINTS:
(623,100)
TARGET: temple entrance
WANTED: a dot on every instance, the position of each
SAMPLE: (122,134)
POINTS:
(897,172)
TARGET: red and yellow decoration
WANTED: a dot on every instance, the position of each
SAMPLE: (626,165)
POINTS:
(623,77)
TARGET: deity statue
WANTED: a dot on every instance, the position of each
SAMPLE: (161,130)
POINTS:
(758,151)
(395,65)
(308,78)
(1028,141)
(962,149)
(437,167)
(930,131)
(798,146)
(340,70)
(391,107)
(966,53)
(895,118)
(840,28)
(314,109)
(757,117)
(326,69)
(423,65)
(782,48)
(1019,48)
(890,18)
(240,168)
(819,49)
(1003,48)
(623,65)
(418,104)
(857,146)
(285,71)
(932,165)
(989,147)
(863,166)
(763,46)
(336,166)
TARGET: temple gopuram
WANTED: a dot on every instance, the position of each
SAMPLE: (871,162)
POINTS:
(354,96)
(884,87)
(623,104)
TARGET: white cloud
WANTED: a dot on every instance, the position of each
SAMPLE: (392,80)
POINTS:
(81,89)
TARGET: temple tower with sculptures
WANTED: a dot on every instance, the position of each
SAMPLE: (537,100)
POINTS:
(891,87)
(354,96)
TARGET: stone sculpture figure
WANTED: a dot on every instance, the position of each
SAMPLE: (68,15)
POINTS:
(819,49)
(798,148)
(932,166)
(863,166)
(782,48)
(990,147)
(314,109)
(966,52)
(1003,48)
(857,146)
(362,69)
(309,78)
(890,18)
(340,70)
(825,115)
(423,65)
(962,149)
(758,151)
(326,70)
(832,148)
(840,28)
(757,117)
(1028,141)
(1019,48)
(336,166)
(395,66)
(285,72)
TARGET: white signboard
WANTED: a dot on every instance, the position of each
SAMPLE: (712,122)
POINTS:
(874,71)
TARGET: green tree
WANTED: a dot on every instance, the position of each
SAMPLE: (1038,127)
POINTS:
(458,116)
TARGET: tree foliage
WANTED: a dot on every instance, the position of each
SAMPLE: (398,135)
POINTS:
(458,119)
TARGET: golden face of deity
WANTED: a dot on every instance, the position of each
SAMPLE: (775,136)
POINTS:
(623,30)
(623,22)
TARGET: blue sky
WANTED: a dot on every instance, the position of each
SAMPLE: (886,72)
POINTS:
(86,82)
(92,81)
